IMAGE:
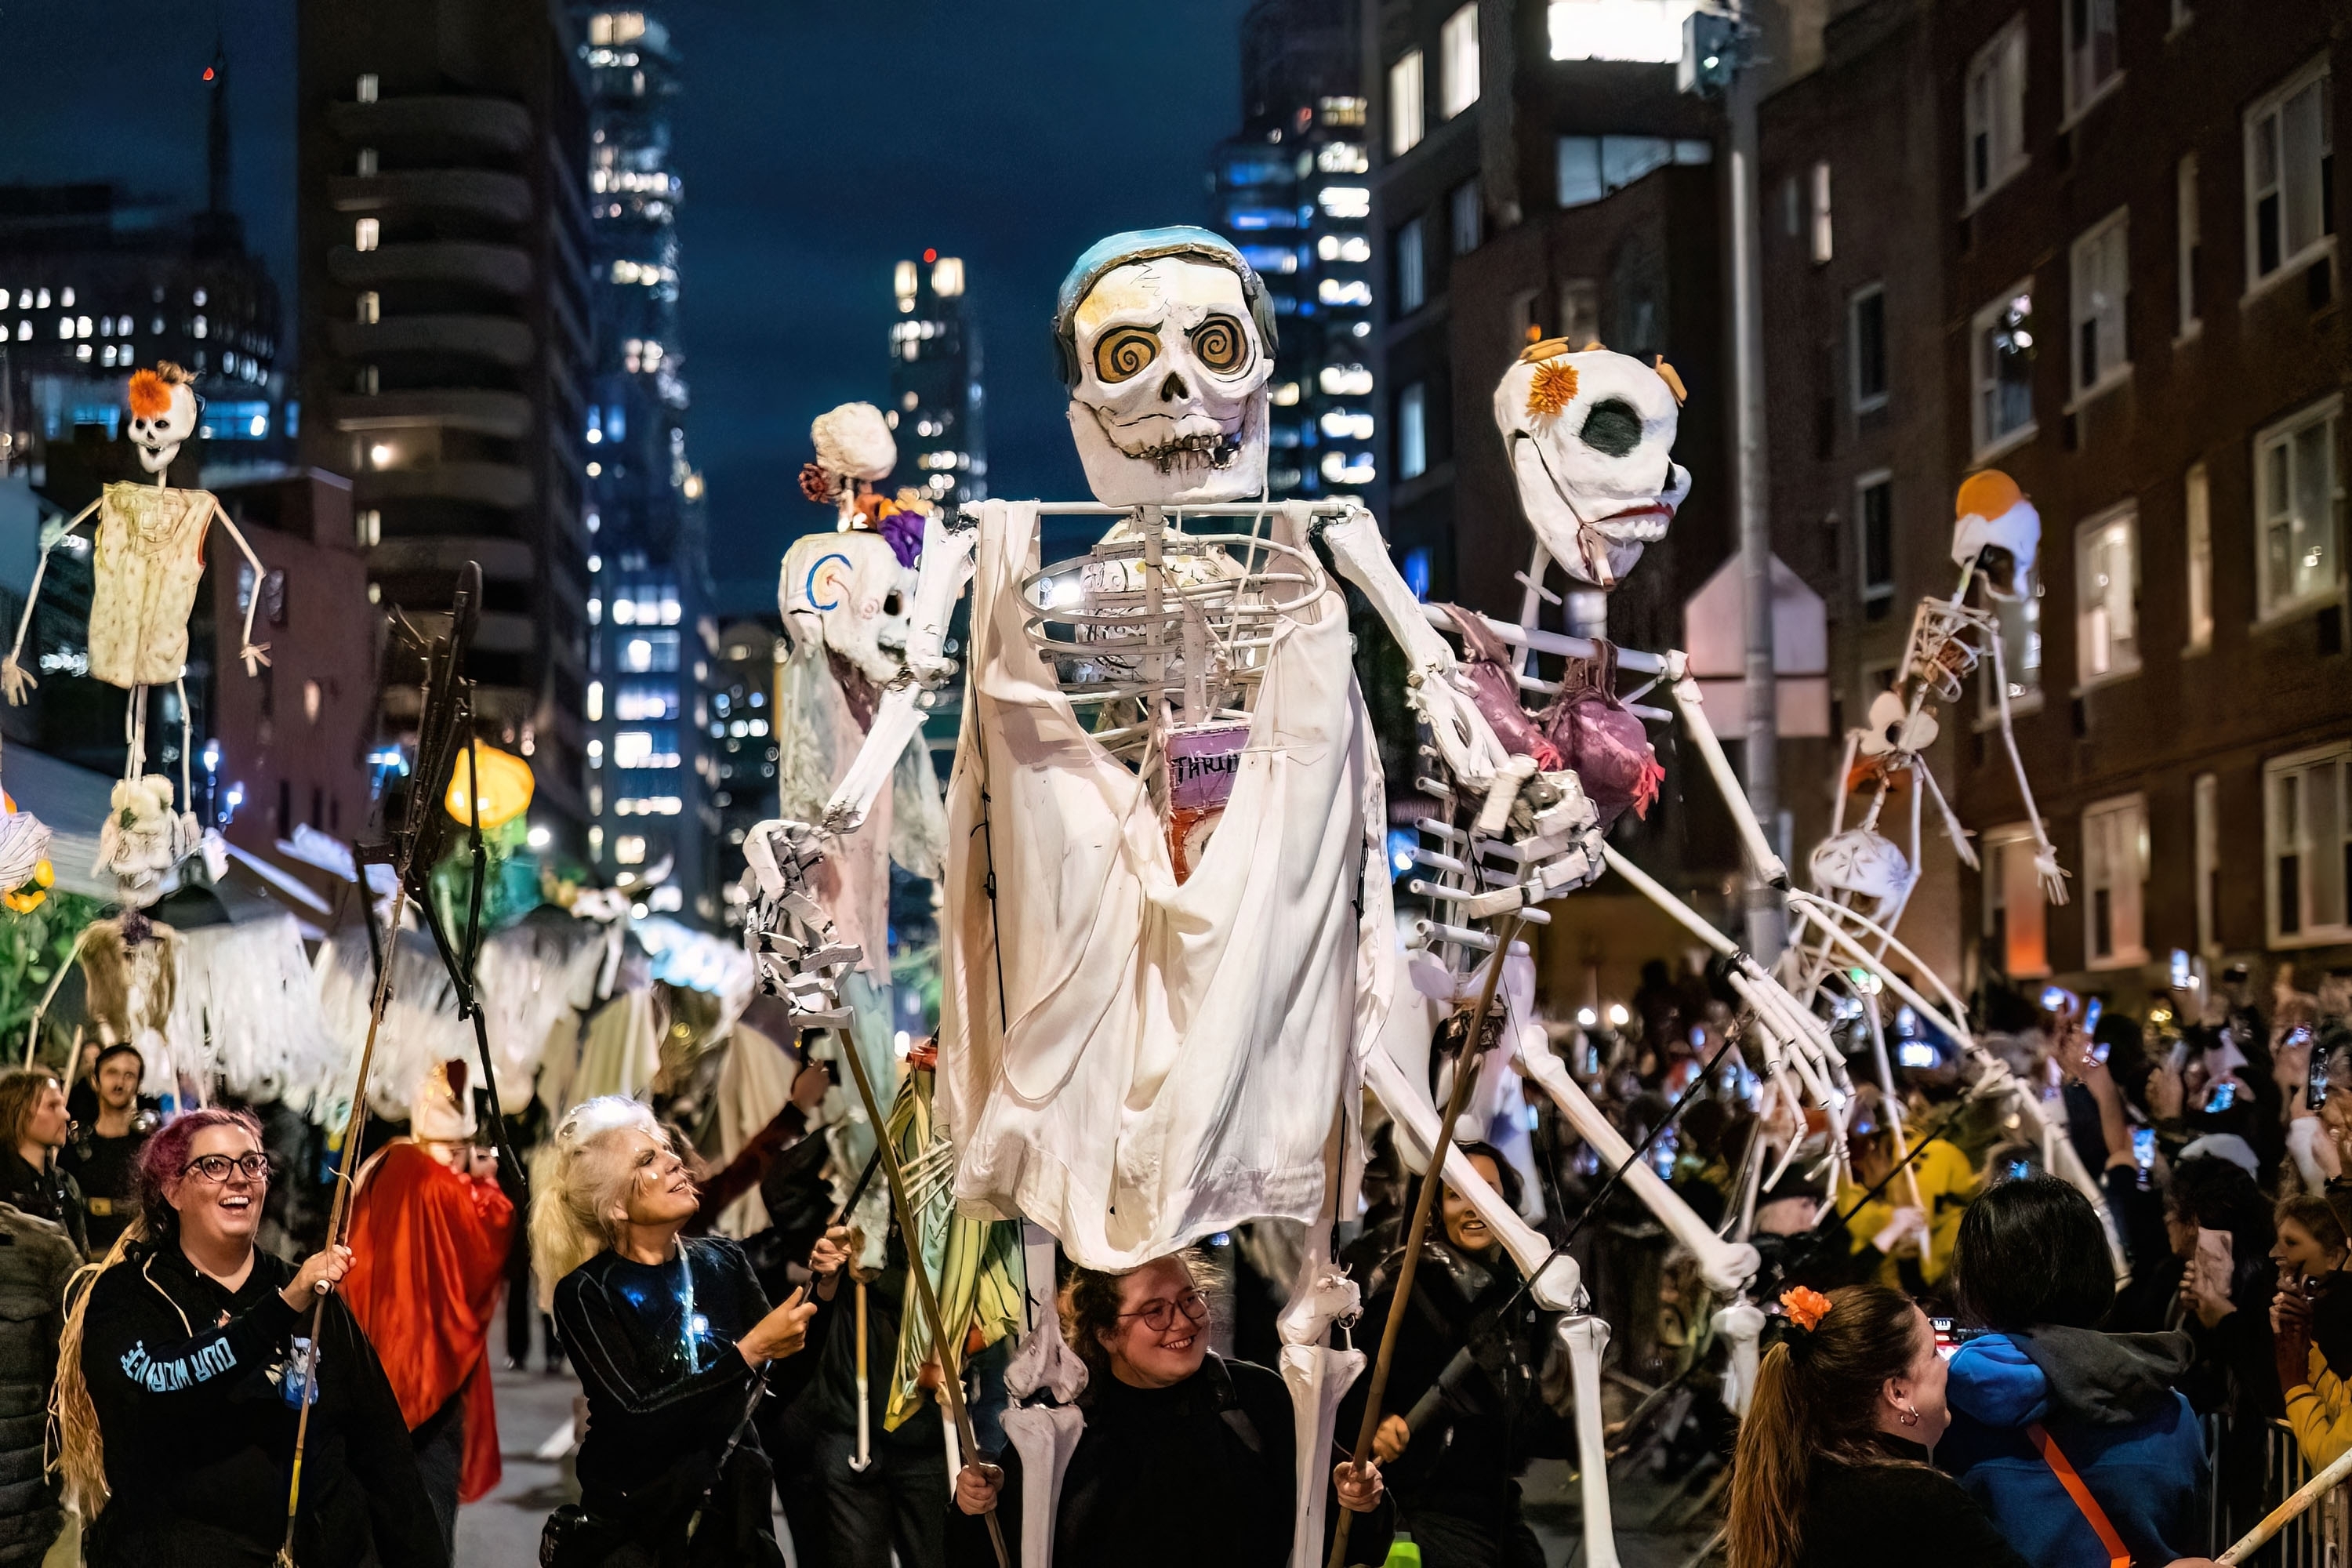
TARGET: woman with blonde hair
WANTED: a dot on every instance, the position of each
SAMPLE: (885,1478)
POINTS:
(185,1362)
(671,1336)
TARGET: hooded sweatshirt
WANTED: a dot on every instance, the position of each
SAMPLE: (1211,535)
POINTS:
(2108,1405)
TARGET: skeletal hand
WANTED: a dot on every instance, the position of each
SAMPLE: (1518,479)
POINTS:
(1464,738)
(2052,875)
(255,655)
(1907,1228)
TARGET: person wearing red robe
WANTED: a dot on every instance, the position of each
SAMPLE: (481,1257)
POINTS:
(431,1228)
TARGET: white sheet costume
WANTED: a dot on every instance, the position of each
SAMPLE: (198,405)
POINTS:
(1176,1051)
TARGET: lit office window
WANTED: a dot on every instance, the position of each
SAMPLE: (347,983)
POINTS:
(2106,596)
(365,233)
(1406,114)
(1412,276)
(1647,31)
(1413,431)
(1457,54)
(2197,503)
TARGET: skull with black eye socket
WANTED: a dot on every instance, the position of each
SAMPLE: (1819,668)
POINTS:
(1169,402)
(163,414)
(1591,437)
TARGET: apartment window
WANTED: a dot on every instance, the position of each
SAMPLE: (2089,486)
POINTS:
(2187,257)
(2093,60)
(2016,921)
(367,87)
(2019,625)
(368,526)
(365,233)
(371,308)
(2002,349)
(366,163)
(1874,508)
(629,849)
(1405,112)
(2102,282)
(2307,839)
(2299,499)
(2198,508)
(1457,62)
(1866,323)
(1995,106)
(2106,596)
(1411,271)
(1580,310)
(1412,432)
(1637,30)
(2206,805)
(1462,206)
(2114,875)
(1590,167)
(1823,245)
(2289,173)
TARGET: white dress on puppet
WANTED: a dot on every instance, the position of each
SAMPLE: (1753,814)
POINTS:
(1176,1050)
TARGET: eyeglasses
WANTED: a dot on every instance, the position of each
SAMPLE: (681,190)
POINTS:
(253,1166)
(1160,1316)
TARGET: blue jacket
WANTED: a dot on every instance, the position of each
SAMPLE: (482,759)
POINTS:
(2109,1404)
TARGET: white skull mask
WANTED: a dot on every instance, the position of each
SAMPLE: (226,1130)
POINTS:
(848,592)
(1168,406)
(1998,532)
(158,432)
(1590,437)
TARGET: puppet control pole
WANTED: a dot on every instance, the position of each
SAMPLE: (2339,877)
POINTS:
(2279,1518)
(1464,1072)
(950,1385)
(337,1214)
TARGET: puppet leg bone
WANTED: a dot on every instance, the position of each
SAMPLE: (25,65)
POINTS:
(1741,1324)
(1770,869)
(1317,1376)
(1045,1435)
(1585,1337)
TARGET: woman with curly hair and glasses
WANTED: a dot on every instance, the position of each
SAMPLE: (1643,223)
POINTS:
(1186,1458)
(185,1362)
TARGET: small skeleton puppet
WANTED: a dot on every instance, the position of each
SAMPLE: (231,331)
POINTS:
(150,560)
(844,597)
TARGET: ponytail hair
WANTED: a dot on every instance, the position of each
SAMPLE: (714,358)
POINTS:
(1816,1397)
(575,1184)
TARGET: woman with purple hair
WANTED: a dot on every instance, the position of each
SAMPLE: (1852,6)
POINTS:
(186,1360)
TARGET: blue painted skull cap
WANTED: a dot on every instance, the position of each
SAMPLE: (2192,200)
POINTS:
(1118,250)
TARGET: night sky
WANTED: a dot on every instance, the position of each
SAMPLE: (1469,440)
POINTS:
(819,142)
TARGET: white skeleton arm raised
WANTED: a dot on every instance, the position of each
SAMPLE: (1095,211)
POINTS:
(14,676)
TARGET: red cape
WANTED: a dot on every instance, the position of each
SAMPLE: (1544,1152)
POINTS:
(430,1255)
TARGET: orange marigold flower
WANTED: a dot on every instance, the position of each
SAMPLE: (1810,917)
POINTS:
(151,396)
(1553,388)
(1806,1308)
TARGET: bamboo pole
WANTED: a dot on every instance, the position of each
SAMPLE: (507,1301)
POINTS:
(1433,1178)
(2279,1518)
(951,1385)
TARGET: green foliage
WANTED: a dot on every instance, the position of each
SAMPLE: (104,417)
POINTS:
(33,948)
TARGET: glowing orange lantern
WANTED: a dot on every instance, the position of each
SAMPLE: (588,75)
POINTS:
(506,790)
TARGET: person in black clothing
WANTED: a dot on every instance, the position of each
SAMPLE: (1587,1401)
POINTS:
(103,1154)
(33,1126)
(185,1364)
(1468,1375)
(1832,1466)
(1186,1458)
(672,1337)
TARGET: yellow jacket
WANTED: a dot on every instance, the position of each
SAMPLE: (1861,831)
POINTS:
(2320,1411)
(1947,1181)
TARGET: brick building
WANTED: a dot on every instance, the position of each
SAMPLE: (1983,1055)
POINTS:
(2094,246)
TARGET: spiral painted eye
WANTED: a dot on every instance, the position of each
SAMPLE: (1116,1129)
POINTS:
(1122,353)
(1221,345)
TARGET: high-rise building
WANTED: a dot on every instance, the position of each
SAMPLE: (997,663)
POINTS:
(1293,192)
(743,742)
(937,404)
(444,245)
(653,750)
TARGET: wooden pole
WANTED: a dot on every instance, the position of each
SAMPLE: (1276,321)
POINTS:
(2279,1518)
(951,1385)
(337,1212)
(1463,1071)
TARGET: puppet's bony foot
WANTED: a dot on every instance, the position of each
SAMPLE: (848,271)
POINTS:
(255,655)
(15,681)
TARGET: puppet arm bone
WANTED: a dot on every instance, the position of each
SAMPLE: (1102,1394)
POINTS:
(255,655)
(1463,737)
(2045,854)
(14,676)
(1770,869)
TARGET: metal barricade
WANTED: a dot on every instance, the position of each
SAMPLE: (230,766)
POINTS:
(2322,1536)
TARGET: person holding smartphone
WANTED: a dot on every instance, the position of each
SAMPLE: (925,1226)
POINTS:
(2311,1322)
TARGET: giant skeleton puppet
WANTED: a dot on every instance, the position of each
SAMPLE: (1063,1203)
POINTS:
(150,560)
(1167,948)
(1862,880)
(844,597)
